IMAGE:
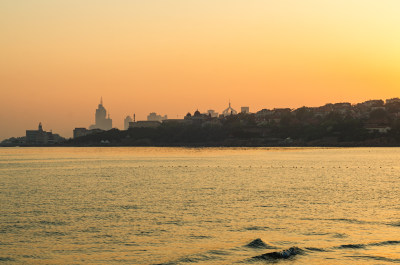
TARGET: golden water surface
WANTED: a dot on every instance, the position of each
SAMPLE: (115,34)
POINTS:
(199,206)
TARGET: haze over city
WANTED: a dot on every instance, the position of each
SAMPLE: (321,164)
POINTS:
(59,57)
(200,132)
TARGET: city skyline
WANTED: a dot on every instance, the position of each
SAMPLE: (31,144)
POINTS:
(171,57)
(103,121)
(199,131)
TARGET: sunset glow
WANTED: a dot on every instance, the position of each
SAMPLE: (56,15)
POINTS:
(57,58)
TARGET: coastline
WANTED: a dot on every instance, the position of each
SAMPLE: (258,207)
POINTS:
(343,145)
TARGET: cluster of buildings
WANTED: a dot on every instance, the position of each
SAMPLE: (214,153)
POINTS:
(376,116)
(211,116)
(37,137)
(103,122)
(41,137)
(384,111)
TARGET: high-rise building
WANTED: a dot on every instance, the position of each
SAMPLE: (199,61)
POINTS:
(101,120)
(127,120)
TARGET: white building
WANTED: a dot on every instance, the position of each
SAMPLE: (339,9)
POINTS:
(379,129)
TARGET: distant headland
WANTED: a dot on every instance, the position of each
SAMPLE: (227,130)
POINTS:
(370,123)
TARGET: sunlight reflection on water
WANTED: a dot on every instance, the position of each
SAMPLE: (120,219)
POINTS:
(201,206)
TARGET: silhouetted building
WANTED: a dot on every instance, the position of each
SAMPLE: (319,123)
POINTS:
(79,132)
(229,111)
(342,107)
(101,122)
(144,124)
(245,110)
(323,111)
(155,117)
(263,116)
(281,111)
(373,103)
(212,113)
(41,137)
(14,141)
(197,117)
(127,120)
(393,100)
(177,121)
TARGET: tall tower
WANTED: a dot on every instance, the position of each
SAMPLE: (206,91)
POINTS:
(101,120)
(100,114)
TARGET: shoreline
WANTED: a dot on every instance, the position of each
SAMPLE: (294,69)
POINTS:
(213,146)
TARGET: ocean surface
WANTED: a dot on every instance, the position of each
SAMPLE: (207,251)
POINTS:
(199,206)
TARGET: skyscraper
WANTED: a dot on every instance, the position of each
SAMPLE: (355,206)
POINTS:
(101,120)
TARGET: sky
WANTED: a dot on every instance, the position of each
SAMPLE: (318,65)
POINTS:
(57,58)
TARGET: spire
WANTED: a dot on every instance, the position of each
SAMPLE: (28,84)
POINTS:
(229,103)
(101,100)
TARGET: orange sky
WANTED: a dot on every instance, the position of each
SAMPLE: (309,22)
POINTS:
(58,57)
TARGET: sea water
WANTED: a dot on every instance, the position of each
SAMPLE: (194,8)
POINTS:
(199,206)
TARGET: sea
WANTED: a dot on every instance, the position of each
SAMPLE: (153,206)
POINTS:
(170,206)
